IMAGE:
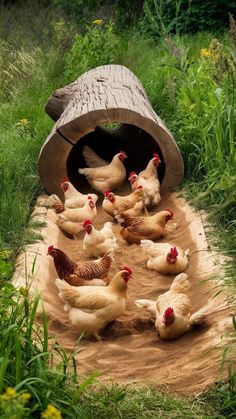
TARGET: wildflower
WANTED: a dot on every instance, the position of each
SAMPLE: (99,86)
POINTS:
(97,21)
(58,26)
(10,392)
(26,396)
(23,122)
(51,413)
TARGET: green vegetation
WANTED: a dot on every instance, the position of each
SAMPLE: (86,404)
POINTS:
(190,81)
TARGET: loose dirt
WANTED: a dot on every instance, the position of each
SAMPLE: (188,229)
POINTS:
(131,351)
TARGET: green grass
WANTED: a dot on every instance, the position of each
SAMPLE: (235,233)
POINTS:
(196,99)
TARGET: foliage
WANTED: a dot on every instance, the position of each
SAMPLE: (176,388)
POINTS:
(162,17)
(97,46)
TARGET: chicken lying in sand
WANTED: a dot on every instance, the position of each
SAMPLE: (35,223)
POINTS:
(164,257)
(71,220)
(137,228)
(97,242)
(83,273)
(131,204)
(148,179)
(172,309)
(73,198)
(100,174)
(90,309)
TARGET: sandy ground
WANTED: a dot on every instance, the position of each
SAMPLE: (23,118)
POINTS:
(131,351)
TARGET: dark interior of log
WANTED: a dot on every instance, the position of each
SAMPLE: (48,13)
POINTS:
(106,142)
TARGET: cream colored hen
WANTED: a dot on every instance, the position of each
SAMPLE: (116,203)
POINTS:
(131,204)
(97,242)
(165,257)
(148,179)
(101,175)
(73,198)
(71,220)
(172,310)
(90,309)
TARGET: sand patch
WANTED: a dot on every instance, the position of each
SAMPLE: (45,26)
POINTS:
(132,351)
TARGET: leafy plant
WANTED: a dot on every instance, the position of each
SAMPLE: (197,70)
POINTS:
(97,46)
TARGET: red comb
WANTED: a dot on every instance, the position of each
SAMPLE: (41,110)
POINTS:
(65,180)
(132,174)
(128,269)
(89,197)
(87,222)
(106,193)
(50,248)
(170,211)
(174,252)
(168,312)
(140,187)
(156,156)
(123,152)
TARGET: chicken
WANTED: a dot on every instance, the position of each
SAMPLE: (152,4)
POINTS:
(70,220)
(171,310)
(73,198)
(97,242)
(90,309)
(131,204)
(84,273)
(148,179)
(137,228)
(107,175)
(164,257)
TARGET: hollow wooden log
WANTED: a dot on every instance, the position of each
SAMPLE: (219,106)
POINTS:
(106,95)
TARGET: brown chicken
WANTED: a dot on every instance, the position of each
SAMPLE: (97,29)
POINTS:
(84,273)
(137,228)
(165,257)
(101,175)
(171,310)
(131,204)
(90,309)
(73,198)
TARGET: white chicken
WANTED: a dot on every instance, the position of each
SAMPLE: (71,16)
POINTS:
(171,310)
(73,198)
(148,179)
(165,257)
(97,242)
(90,309)
(131,204)
(100,174)
(71,220)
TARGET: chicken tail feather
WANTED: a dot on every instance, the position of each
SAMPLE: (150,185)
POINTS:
(180,283)
(55,203)
(92,159)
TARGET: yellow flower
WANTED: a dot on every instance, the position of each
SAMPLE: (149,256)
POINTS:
(51,413)
(10,392)
(58,26)
(97,21)
(26,396)
(23,122)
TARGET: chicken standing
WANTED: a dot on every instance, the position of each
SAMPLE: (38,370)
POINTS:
(84,273)
(164,257)
(148,179)
(104,176)
(97,242)
(137,228)
(92,308)
(71,220)
(73,198)
(131,204)
(172,310)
